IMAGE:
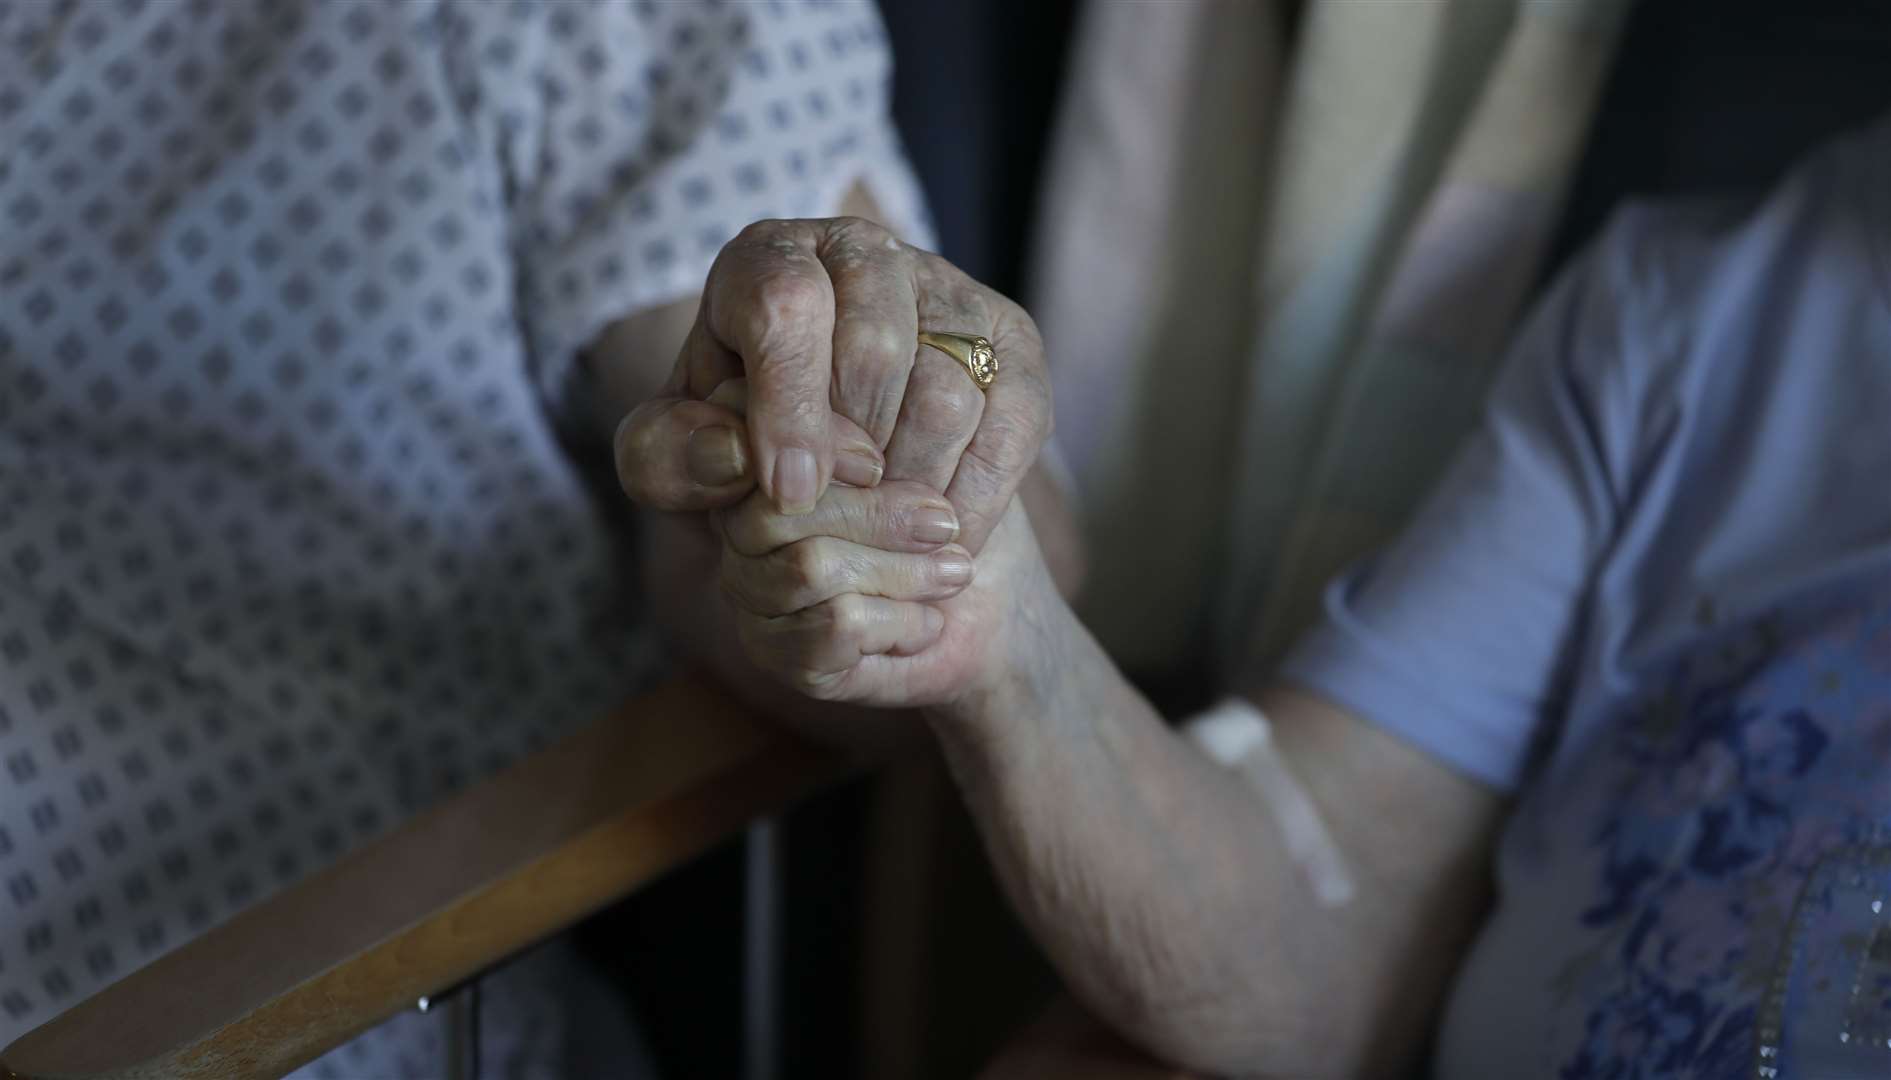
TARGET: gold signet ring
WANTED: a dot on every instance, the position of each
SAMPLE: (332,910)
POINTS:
(973,353)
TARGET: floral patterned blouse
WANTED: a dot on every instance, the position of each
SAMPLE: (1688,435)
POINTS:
(1653,601)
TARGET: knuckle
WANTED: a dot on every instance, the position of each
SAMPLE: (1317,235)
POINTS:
(805,568)
(847,617)
(860,226)
(753,532)
(853,243)
(971,300)
(1015,322)
(762,231)
(877,340)
(783,298)
(944,406)
(937,268)
(858,231)
(981,302)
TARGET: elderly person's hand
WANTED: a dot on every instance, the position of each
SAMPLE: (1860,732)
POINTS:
(868,599)
(822,318)
(857,602)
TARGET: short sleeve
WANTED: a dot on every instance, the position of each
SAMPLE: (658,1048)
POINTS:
(1457,637)
(636,138)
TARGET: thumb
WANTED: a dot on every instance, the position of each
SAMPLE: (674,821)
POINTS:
(681,455)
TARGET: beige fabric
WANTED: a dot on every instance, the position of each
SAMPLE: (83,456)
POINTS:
(1405,393)
(1271,325)
(1155,166)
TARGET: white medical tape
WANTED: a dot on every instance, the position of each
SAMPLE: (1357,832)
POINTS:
(1236,734)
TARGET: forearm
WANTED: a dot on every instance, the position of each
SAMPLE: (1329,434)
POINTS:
(1158,885)
(1139,867)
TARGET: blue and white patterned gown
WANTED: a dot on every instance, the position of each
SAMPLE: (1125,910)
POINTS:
(290,293)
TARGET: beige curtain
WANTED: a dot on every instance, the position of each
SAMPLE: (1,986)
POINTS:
(1274,276)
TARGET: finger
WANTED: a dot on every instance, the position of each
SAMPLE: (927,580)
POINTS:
(1016,418)
(816,650)
(938,417)
(1011,433)
(704,362)
(857,460)
(681,455)
(732,394)
(896,516)
(815,570)
(769,301)
(876,322)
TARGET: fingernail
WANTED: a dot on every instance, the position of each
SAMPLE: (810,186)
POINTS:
(858,468)
(953,569)
(715,456)
(796,477)
(935,621)
(934,526)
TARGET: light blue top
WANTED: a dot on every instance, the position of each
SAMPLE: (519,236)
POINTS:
(1652,599)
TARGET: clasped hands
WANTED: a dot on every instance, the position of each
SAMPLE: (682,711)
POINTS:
(861,487)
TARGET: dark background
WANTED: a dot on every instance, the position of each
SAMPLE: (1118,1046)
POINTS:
(1706,95)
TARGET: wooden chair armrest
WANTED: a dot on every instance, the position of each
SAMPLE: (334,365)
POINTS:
(1066,1043)
(484,875)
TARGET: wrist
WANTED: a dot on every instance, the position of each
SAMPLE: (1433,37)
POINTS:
(1031,661)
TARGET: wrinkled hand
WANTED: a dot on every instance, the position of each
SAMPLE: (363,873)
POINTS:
(820,318)
(861,600)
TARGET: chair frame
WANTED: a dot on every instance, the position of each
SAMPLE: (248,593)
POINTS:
(448,894)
